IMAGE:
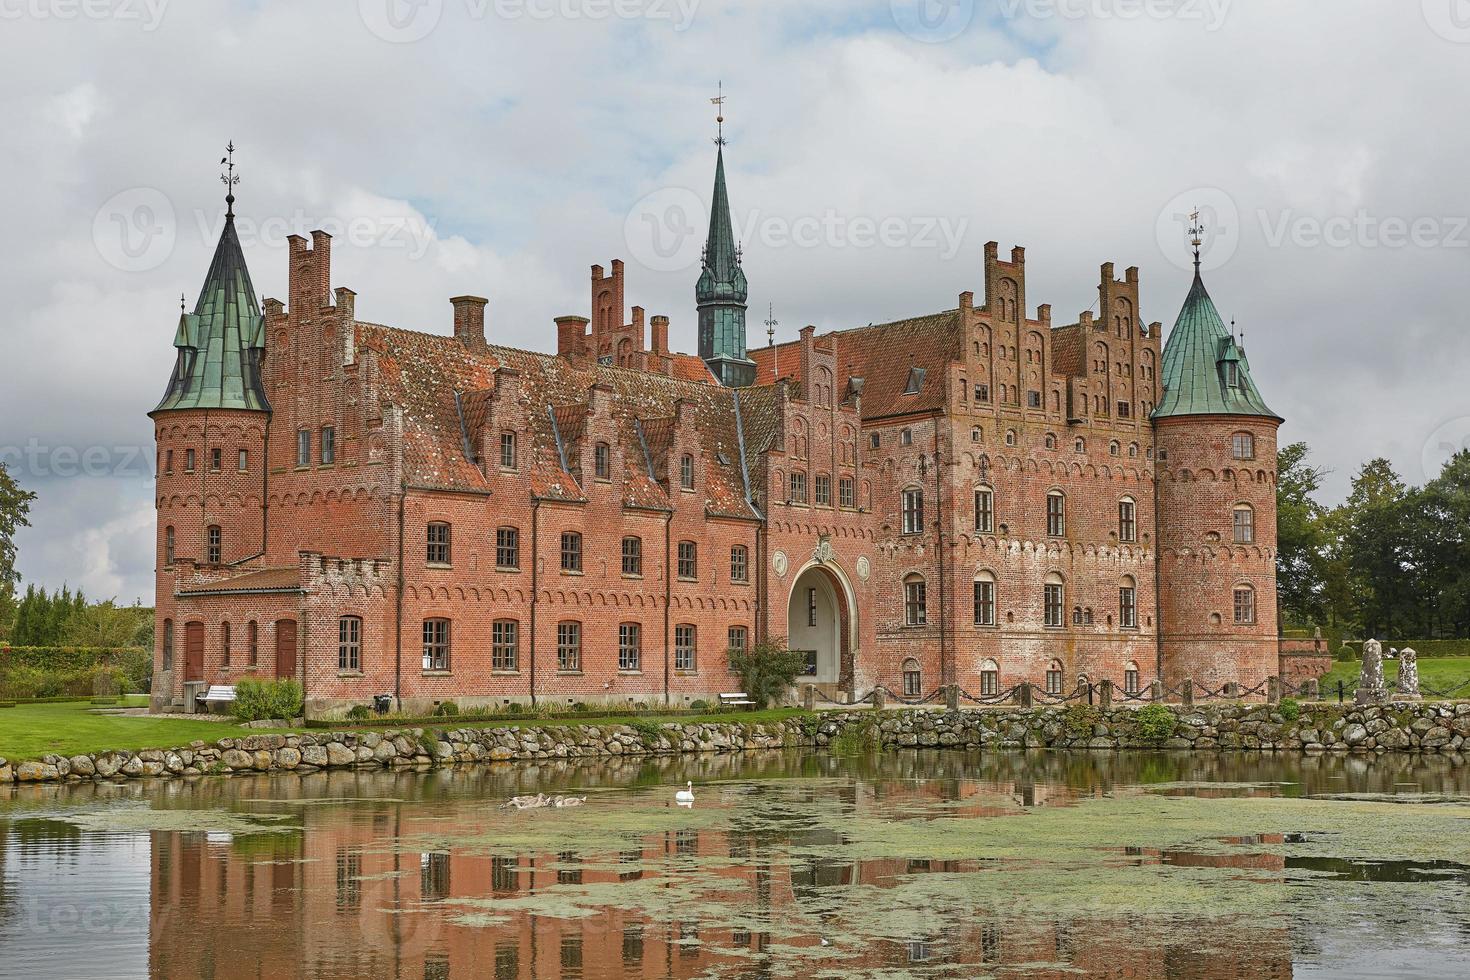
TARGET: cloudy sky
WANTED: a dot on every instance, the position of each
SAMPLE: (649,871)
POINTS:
(502,146)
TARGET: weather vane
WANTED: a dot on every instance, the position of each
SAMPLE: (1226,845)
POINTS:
(771,324)
(719,103)
(1196,234)
(230,178)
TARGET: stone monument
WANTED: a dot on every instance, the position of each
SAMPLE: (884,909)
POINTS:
(1370,677)
(1408,675)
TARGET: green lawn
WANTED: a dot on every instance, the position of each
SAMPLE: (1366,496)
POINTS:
(29,731)
(1435,673)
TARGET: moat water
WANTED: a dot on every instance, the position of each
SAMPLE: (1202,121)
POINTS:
(922,864)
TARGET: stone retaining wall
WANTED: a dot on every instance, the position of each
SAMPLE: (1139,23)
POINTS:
(1438,727)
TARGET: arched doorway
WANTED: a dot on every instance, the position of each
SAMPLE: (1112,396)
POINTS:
(820,625)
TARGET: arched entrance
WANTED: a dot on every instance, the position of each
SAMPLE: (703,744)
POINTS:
(819,623)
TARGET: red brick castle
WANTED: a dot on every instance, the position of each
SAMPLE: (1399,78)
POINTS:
(975,496)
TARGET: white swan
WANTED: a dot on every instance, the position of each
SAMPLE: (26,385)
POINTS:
(685,795)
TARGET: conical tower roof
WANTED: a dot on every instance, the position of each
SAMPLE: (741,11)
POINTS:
(1205,371)
(721,277)
(221,344)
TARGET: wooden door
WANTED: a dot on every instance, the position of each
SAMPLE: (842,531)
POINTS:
(286,648)
(194,652)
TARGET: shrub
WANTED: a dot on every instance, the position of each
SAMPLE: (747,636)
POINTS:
(257,699)
(580,707)
(359,712)
(446,709)
(1155,723)
(515,708)
(1079,719)
(698,704)
(767,671)
(1290,708)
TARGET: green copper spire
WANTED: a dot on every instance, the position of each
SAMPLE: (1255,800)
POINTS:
(221,344)
(1205,371)
(721,291)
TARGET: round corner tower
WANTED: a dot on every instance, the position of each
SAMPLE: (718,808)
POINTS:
(210,430)
(1216,472)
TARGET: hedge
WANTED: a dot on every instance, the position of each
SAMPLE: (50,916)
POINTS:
(1424,648)
(64,658)
(48,672)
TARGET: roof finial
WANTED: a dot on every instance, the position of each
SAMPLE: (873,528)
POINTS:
(719,103)
(771,324)
(230,179)
(181,302)
(1196,236)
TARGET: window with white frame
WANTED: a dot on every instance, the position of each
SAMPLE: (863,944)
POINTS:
(569,646)
(505,645)
(1128,603)
(1053,600)
(436,644)
(684,646)
(1056,514)
(1244,524)
(915,604)
(985,599)
(349,643)
(1127,520)
(913,511)
(984,510)
(630,646)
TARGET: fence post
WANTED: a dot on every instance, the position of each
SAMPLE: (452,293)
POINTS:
(1156,690)
(1273,690)
(1187,697)
(809,697)
(1232,690)
(952,697)
(1025,694)
(878,698)
(1105,694)
(1339,692)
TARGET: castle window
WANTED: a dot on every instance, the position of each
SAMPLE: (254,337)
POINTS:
(1056,514)
(1114,448)
(874,440)
(823,490)
(630,646)
(1124,409)
(989,679)
(437,543)
(1076,615)
(504,644)
(985,599)
(846,492)
(224,642)
(686,472)
(507,450)
(436,644)
(964,390)
(916,381)
(188,461)
(632,555)
(1051,441)
(1243,445)
(213,544)
(1128,603)
(168,460)
(985,510)
(303,447)
(329,445)
(216,459)
(244,460)
(736,639)
(1127,520)
(1054,677)
(571,551)
(688,560)
(811,607)
(252,642)
(1245,605)
(1080,445)
(1133,450)
(798,487)
(684,643)
(168,644)
(913,679)
(1244,522)
(168,545)
(1033,398)
(915,605)
(975,433)
(602,461)
(569,646)
(913,511)
(982,393)
(507,548)
(1232,374)
(1130,677)
(739,563)
(349,643)
(1010,437)
(1053,598)
(906,437)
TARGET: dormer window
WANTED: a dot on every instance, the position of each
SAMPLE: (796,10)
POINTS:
(916,381)
(1232,374)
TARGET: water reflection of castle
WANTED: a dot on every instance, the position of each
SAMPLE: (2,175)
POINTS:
(339,899)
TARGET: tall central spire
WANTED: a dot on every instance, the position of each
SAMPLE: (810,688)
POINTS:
(721,291)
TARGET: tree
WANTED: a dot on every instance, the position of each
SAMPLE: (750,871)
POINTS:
(1441,545)
(15,505)
(103,624)
(1382,580)
(1301,538)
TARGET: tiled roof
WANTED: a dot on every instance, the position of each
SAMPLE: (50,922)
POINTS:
(1193,376)
(259,580)
(423,372)
(883,355)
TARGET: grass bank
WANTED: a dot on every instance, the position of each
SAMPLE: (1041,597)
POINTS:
(1438,673)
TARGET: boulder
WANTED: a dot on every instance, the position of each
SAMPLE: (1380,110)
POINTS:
(82,765)
(7,775)
(313,755)
(35,772)
(288,758)
(340,755)
(237,760)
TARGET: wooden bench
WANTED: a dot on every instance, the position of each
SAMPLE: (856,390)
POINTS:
(737,699)
(217,694)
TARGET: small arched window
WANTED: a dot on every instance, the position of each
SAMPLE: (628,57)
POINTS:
(686,471)
(1051,441)
(1053,600)
(975,433)
(252,642)
(1054,677)
(1128,603)
(985,599)
(168,545)
(989,678)
(1245,605)
(1130,677)
(1113,448)
(1056,514)
(1080,445)
(984,510)
(1010,437)
(213,544)
(632,555)
(915,601)
(1127,520)
(224,641)
(1244,524)
(168,644)
(913,679)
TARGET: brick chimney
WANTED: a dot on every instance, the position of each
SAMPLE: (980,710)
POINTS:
(469,320)
(660,334)
(571,335)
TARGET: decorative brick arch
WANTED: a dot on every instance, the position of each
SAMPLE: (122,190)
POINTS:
(845,612)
